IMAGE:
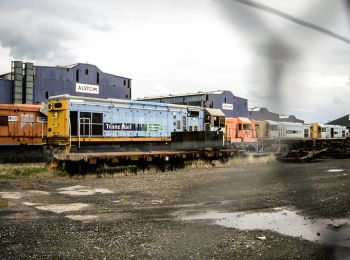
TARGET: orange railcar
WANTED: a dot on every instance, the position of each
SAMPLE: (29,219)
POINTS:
(22,124)
(240,130)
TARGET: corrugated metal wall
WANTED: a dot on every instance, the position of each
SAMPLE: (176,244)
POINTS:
(5,91)
(51,81)
(264,114)
(210,100)
(239,106)
(344,121)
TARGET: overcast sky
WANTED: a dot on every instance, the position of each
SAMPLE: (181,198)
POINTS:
(181,46)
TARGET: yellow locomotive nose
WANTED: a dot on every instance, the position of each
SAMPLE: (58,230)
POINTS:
(58,121)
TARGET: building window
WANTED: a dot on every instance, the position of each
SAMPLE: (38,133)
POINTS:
(126,96)
(77,76)
(124,82)
(86,72)
(98,78)
(46,94)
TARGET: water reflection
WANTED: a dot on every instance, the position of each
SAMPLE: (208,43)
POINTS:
(283,221)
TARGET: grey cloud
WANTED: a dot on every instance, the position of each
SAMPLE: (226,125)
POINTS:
(273,53)
(42,30)
(338,100)
(278,51)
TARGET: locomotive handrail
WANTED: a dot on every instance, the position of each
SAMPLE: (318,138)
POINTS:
(70,133)
(83,122)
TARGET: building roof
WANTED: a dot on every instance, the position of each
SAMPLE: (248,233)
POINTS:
(255,109)
(344,121)
(71,66)
(215,112)
(244,120)
(215,92)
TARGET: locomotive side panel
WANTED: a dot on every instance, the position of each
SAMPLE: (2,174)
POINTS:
(22,125)
(74,121)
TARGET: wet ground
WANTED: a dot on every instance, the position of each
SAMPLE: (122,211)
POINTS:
(248,210)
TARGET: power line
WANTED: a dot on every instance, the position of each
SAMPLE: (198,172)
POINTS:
(293,19)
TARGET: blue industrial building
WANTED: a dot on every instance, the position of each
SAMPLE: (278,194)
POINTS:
(262,113)
(5,91)
(31,84)
(343,121)
(231,105)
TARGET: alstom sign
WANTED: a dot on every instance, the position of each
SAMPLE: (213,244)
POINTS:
(87,88)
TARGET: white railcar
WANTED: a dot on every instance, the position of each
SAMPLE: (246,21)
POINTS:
(293,130)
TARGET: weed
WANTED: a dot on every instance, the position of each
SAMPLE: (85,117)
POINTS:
(16,171)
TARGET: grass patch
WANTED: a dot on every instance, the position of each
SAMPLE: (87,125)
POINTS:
(30,170)
(203,164)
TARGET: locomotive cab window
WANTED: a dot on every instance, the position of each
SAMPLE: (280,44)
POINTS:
(91,124)
(246,127)
(216,121)
(74,123)
(193,113)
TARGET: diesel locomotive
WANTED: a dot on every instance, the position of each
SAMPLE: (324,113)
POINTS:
(84,124)
(23,129)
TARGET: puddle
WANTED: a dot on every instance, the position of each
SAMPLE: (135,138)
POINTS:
(59,208)
(76,187)
(283,221)
(99,217)
(82,217)
(39,192)
(11,195)
(335,170)
(31,203)
(79,190)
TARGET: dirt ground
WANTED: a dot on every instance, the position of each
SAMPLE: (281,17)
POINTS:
(136,216)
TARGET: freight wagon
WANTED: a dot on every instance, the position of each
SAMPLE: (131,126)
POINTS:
(22,131)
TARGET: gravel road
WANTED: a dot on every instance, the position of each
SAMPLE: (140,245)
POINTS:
(160,215)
